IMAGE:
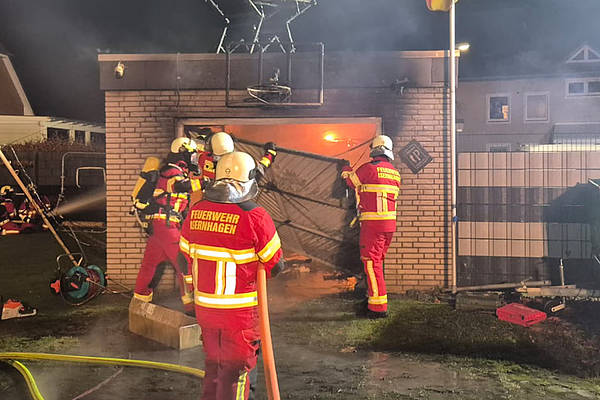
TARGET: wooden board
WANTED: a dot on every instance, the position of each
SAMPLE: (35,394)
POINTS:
(169,327)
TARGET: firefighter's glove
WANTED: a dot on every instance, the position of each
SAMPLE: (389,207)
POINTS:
(346,171)
(270,153)
(278,268)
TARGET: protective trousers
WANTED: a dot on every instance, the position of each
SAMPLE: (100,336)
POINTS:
(162,246)
(230,356)
(373,246)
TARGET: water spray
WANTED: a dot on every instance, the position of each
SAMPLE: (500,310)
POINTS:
(80,283)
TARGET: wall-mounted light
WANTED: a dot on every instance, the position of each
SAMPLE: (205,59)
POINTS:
(463,46)
(119,70)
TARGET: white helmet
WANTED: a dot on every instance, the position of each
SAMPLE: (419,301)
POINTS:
(221,143)
(183,145)
(382,146)
(236,165)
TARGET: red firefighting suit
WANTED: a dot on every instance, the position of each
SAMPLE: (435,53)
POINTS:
(171,197)
(376,184)
(8,213)
(29,215)
(223,243)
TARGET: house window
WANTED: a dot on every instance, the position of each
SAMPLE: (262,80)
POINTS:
(536,107)
(498,108)
(57,135)
(583,87)
(594,87)
(80,137)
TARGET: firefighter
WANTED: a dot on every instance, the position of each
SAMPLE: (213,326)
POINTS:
(8,212)
(223,239)
(376,184)
(221,143)
(32,221)
(167,208)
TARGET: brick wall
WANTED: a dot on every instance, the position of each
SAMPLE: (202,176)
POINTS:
(143,123)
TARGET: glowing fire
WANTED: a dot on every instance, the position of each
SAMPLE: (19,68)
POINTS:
(330,137)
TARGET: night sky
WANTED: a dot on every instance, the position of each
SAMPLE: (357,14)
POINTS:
(54,43)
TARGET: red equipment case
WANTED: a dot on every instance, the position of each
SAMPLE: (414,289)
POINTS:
(519,314)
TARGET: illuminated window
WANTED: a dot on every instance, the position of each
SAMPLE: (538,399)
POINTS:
(498,106)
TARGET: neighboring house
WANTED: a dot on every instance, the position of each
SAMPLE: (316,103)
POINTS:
(19,124)
(544,101)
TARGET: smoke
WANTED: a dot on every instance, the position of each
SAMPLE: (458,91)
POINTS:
(85,202)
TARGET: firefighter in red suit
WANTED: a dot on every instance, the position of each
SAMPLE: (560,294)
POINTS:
(8,212)
(169,202)
(223,240)
(376,184)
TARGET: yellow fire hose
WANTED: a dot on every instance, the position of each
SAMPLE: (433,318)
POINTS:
(34,391)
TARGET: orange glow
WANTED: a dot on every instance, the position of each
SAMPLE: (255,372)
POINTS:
(311,137)
(330,137)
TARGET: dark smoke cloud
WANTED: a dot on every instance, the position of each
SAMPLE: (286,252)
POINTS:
(54,44)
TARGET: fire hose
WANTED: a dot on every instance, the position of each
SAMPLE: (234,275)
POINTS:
(267,348)
(11,357)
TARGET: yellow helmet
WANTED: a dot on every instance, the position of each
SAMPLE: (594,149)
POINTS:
(236,165)
(221,143)
(382,146)
(183,145)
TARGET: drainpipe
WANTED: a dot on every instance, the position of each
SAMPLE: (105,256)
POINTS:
(453,139)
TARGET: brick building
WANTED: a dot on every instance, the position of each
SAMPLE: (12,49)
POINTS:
(402,94)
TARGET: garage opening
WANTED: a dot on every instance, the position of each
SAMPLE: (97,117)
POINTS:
(310,205)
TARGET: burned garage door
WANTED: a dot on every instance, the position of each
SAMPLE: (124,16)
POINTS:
(311,206)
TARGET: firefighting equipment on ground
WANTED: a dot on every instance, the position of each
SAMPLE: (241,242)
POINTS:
(11,357)
(78,285)
(223,240)
(376,184)
(15,309)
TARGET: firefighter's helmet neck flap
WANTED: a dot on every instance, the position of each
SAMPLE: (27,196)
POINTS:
(382,146)
(234,179)
(185,150)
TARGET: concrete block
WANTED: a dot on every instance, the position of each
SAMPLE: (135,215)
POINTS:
(169,327)
(516,248)
(517,178)
(592,160)
(554,178)
(464,178)
(481,178)
(499,178)
(465,247)
(481,161)
(554,160)
(536,248)
(464,229)
(536,160)
(499,230)
(499,248)
(517,230)
(536,178)
(464,160)
(517,160)
(574,159)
